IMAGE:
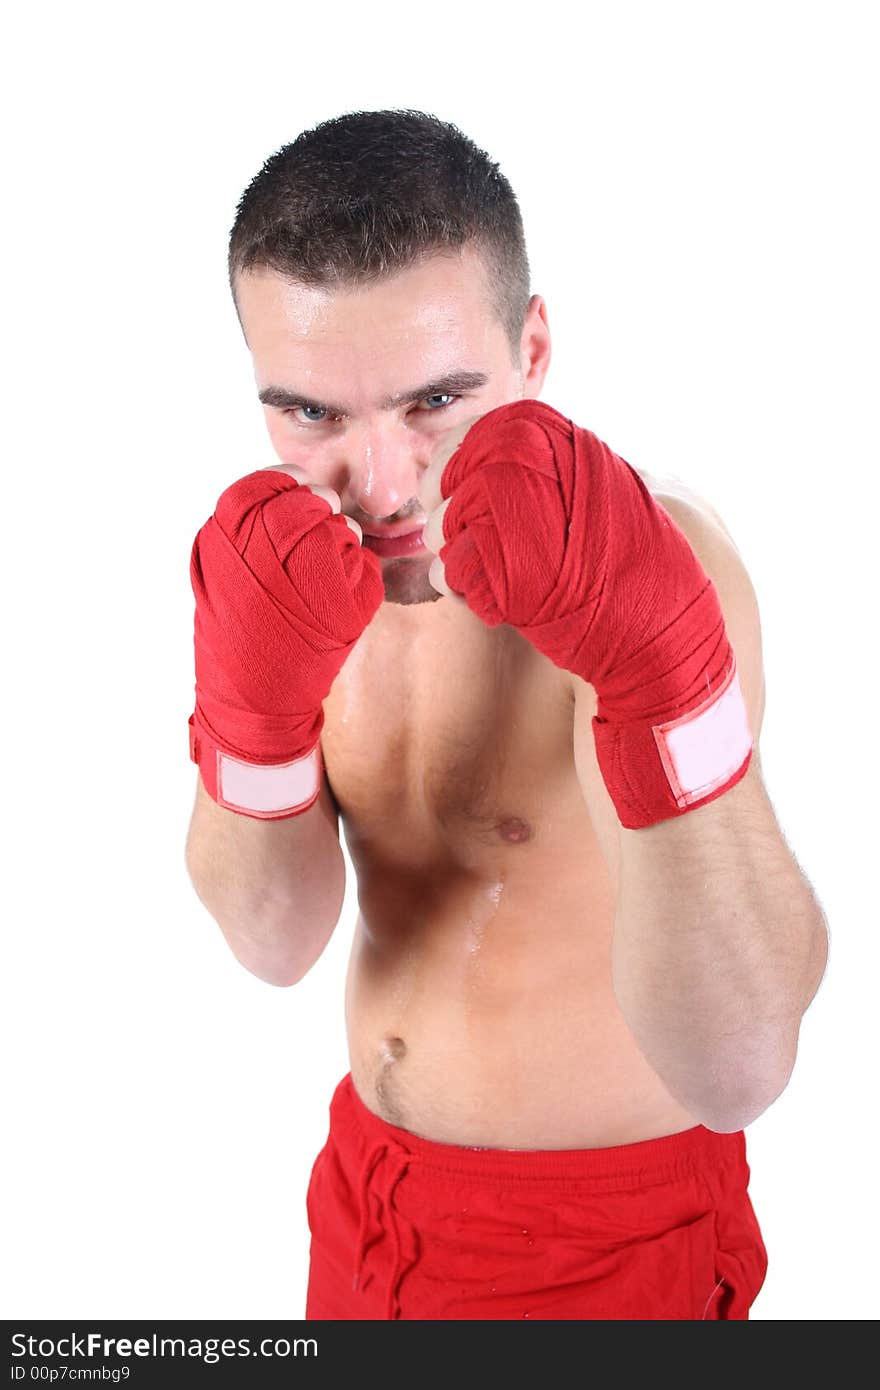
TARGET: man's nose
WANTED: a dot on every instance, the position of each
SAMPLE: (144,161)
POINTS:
(384,470)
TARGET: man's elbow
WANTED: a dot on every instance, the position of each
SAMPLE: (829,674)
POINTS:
(749,1093)
(735,1107)
(282,963)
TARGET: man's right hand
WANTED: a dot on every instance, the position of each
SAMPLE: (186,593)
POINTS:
(300,476)
(283,591)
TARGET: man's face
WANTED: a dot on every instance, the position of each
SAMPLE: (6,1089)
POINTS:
(360,386)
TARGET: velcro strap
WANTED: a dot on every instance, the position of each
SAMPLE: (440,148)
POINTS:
(704,747)
(268,791)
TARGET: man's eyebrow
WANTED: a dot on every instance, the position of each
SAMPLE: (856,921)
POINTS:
(453,384)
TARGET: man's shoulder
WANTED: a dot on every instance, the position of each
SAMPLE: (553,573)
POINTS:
(685,505)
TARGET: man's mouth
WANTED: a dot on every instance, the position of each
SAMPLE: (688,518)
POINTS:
(397,542)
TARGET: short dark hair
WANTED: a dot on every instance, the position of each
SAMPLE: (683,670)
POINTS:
(368,193)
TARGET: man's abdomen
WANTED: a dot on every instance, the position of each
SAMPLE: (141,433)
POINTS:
(482,1013)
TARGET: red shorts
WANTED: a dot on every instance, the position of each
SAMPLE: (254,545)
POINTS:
(403,1227)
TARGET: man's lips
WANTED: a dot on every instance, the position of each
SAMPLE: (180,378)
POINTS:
(397,528)
(398,540)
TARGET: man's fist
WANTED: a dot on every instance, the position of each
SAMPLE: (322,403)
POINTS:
(543,527)
(300,476)
(283,590)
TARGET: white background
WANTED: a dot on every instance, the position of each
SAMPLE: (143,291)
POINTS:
(698,185)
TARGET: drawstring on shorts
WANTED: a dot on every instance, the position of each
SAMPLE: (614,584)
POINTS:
(398,1162)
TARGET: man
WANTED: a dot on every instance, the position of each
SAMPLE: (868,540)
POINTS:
(527,678)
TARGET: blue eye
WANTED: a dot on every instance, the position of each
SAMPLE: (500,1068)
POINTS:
(446,398)
(294,410)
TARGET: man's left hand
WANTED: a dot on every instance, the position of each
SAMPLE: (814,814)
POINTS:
(535,522)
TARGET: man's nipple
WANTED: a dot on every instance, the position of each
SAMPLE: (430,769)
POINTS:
(514,830)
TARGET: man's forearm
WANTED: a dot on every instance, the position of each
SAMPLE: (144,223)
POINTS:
(719,946)
(274,887)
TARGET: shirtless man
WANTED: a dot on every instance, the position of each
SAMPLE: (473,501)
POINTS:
(558,1024)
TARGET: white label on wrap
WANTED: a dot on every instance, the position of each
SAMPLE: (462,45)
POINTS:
(706,746)
(270,789)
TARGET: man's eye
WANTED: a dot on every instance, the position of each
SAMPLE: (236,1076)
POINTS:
(316,410)
(445,398)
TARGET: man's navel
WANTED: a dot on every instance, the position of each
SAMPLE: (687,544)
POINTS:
(391,1050)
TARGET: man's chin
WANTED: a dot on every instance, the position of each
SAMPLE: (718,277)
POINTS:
(406,580)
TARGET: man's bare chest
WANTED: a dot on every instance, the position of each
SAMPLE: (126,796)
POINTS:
(444,740)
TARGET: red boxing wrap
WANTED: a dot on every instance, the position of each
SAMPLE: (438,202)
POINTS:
(283,590)
(550,531)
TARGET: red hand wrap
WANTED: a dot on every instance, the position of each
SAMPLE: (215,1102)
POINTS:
(550,531)
(283,590)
